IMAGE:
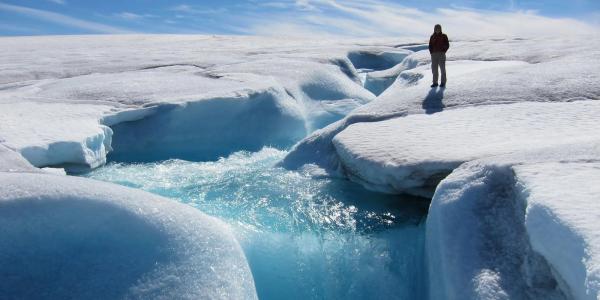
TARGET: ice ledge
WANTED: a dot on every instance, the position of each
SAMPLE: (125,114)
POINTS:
(411,154)
(77,136)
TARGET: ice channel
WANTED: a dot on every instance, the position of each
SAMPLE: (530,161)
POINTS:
(304,237)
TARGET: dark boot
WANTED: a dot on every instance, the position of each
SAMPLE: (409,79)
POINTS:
(434,85)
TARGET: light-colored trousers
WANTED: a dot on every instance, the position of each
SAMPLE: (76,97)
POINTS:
(438,59)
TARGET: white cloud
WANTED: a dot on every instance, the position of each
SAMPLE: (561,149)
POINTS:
(61,2)
(273,4)
(129,16)
(184,8)
(61,19)
(133,16)
(375,18)
(306,5)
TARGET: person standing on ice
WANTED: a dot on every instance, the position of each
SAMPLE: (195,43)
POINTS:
(438,45)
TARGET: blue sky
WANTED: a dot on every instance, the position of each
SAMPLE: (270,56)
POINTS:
(362,18)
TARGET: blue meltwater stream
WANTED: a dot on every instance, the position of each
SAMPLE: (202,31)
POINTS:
(304,237)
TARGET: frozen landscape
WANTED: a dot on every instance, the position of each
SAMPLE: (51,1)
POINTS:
(241,167)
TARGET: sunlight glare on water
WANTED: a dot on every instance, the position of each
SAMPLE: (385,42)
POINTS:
(305,238)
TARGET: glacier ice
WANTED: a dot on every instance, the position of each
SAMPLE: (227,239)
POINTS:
(70,237)
(477,246)
(522,225)
(514,129)
(74,137)
(561,220)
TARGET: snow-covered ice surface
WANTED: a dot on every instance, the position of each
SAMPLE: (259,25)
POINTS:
(479,73)
(240,92)
(67,237)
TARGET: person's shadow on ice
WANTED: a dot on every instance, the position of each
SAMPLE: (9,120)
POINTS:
(433,102)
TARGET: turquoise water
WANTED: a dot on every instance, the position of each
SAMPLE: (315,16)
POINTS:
(304,237)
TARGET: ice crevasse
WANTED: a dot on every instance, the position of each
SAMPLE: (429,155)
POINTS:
(76,237)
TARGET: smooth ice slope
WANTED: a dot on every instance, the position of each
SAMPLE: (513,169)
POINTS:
(479,73)
(65,237)
(477,246)
(516,226)
(413,153)
(562,219)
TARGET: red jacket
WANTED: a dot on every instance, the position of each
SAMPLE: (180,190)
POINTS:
(438,42)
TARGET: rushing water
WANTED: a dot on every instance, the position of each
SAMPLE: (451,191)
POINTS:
(305,238)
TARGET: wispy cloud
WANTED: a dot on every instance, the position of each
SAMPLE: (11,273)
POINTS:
(336,18)
(379,18)
(188,9)
(61,2)
(306,5)
(302,5)
(61,19)
(274,4)
(129,16)
(18,29)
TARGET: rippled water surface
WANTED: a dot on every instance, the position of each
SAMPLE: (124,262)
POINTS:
(304,237)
